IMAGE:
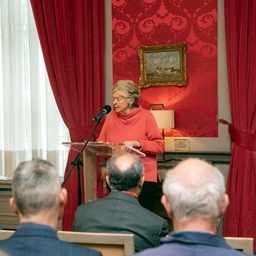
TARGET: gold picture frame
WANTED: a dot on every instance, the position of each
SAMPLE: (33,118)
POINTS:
(162,65)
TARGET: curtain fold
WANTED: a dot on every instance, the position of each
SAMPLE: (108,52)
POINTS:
(240,25)
(71,34)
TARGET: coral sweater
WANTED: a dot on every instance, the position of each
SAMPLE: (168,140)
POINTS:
(139,125)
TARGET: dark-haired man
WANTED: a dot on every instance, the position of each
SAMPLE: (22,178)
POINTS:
(120,211)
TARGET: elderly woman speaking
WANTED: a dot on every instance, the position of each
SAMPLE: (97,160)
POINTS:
(132,125)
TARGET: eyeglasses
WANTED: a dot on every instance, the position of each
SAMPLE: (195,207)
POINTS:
(118,99)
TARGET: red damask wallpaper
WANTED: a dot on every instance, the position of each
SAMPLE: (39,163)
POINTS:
(157,22)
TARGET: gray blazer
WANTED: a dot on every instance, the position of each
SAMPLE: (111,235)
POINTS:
(121,213)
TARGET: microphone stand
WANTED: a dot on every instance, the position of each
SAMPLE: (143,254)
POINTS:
(77,162)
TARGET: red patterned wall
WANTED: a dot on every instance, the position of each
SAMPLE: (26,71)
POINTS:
(158,22)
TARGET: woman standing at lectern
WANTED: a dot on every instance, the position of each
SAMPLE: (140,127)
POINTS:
(130,124)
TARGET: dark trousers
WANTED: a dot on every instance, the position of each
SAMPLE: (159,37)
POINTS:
(147,196)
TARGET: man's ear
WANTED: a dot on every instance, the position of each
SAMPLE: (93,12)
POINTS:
(13,206)
(141,181)
(63,197)
(62,202)
(107,180)
(224,205)
(167,206)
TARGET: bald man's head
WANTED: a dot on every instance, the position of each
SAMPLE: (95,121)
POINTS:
(194,173)
(195,190)
(125,172)
(124,162)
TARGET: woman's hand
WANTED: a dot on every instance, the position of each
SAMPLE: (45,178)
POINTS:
(132,143)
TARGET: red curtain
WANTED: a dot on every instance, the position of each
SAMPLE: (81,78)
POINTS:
(71,33)
(240,25)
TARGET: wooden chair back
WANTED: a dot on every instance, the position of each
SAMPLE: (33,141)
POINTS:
(108,244)
(4,234)
(244,244)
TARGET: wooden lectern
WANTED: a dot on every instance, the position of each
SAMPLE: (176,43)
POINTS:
(92,150)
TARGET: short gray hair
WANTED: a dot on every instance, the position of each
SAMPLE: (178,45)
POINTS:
(128,89)
(195,190)
(35,186)
(127,173)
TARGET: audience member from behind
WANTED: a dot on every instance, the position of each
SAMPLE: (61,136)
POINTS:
(194,198)
(120,211)
(39,200)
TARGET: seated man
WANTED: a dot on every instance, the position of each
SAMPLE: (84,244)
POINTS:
(120,211)
(39,200)
(194,198)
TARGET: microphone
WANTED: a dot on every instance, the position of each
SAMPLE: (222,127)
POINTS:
(105,110)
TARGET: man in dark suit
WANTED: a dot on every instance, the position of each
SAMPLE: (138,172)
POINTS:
(120,211)
(39,200)
(194,198)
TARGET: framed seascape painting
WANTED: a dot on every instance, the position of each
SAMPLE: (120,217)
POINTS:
(162,65)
